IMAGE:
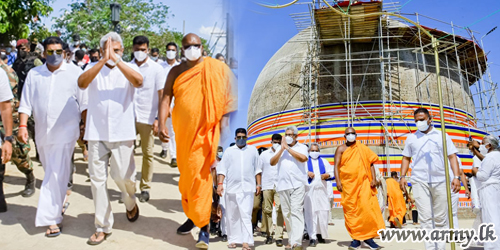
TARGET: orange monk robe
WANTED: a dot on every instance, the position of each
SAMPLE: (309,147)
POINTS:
(203,94)
(397,204)
(362,214)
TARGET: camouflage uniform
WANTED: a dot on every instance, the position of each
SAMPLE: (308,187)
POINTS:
(20,151)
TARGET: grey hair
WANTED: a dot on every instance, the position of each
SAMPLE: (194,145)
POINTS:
(314,144)
(493,141)
(115,37)
(293,128)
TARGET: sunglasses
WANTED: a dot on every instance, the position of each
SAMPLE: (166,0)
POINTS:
(192,45)
(351,133)
(240,137)
(51,51)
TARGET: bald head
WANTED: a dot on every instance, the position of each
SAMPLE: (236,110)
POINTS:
(350,130)
(190,40)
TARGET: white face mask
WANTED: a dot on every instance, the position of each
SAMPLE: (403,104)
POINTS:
(276,146)
(219,154)
(140,56)
(314,155)
(350,137)
(483,150)
(171,54)
(111,63)
(192,53)
(422,126)
(288,139)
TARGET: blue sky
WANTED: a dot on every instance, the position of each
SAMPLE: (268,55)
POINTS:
(199,19)
(262,31)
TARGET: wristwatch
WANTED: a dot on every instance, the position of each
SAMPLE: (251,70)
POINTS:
(456,177)
(118,60)
(9,138)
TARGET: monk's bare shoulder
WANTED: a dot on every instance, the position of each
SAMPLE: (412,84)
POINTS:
(177,70)
(341,149)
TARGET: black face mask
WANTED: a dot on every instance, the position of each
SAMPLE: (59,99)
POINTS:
(22,54)
(94,59)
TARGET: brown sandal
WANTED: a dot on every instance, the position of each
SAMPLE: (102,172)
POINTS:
(97,242)
(129,213)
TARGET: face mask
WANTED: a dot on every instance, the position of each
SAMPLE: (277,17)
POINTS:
(23,54)
(55,59)
(2,53)
(288,139)
(192,53)
(154,58)
(219,154)
(111,63)
(8,50)
(483,150)
(84,50)
(140,56)
(314,155)
(94,59)
(350,137)
(422,125)
(171,54)
(241,142)
(276,146)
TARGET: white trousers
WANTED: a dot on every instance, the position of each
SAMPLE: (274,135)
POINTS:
(239,218)
(56,161)
(170,145)
(292,207)
(223,219)
(120,157)
(431,202)
(454,208)
(490,213)
(317,223)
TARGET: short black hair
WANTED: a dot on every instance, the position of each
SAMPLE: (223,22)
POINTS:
(261,149)
(155,50)
(240,130)
(79,54)
(421,110)
(140,40)
(83,45)
(172,44)
(220,147)
(52,40)
(276,137)
(92,51)
(65,46)
(394,174)
(219,55)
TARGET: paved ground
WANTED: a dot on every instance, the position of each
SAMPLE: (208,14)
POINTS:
(155,229)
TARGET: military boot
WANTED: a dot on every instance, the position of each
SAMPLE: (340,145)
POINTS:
(29,188)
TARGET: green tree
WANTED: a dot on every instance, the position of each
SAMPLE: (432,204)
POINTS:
(16,16)
(91,20)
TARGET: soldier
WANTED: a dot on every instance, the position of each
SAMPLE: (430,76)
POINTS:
(20,151)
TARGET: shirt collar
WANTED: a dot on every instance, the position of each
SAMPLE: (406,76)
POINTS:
(432,131)
(145,64)
(62,67)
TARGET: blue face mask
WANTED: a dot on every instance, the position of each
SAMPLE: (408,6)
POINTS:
(8,49)
(55,59)
(241,142)
(219,155)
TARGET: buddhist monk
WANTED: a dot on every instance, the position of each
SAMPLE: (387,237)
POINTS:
(397,204)
(356,182)
(204,94)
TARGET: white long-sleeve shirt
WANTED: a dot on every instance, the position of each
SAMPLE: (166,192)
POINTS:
(146,97)
(110,115)
(291,172)
(240,166)
(269,173)
(489,172)
(5,90)
(56,103)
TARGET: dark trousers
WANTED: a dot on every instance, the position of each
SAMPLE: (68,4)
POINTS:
(3,203)
(414,215)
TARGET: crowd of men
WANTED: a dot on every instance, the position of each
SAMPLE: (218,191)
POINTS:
(60,95)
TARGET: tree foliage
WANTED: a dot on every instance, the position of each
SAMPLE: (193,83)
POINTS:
(91,19)
(16,16)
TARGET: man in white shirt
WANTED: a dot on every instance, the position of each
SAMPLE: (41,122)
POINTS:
(317,203)
(146,101)
(292,178)
(110,131)
(6,114)
(51,93)
(269,182)
(425,149)
(240,169)
(172,53)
